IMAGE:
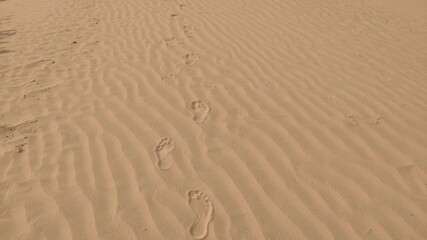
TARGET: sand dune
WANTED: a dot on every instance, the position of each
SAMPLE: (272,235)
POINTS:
(242,119)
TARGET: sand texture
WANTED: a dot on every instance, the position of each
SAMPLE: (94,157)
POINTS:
(213,119)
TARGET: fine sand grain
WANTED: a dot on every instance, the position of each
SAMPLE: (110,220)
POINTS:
(213,119)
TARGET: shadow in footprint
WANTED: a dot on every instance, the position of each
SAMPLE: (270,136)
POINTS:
(201,205)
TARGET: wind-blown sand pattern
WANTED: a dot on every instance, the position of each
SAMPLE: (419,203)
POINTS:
(295,119)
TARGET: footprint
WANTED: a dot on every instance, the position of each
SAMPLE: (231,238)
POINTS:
(352,121)
(203,209)
(200,109)
(176,16)
(168,77)
(163,148)
(20,147)
(171,42)
(188,29)
(191,59)
(182,4)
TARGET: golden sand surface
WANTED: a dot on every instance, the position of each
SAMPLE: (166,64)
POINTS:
(213,119)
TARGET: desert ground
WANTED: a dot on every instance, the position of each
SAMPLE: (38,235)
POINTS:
(213,119)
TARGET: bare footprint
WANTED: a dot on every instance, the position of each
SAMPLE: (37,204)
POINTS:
(171,42)
(200,109)
(182,6)
(191,59)
(176,16)
(162,150)
(203,208)
(168,77)
(188,29)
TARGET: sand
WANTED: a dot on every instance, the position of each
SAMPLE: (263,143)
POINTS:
(213,119)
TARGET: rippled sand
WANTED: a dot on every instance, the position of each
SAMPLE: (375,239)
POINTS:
(213,119)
